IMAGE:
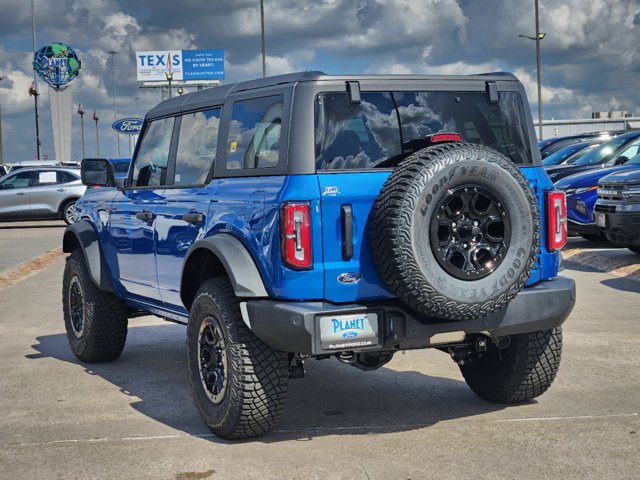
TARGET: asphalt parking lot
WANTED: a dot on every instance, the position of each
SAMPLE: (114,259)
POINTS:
(414,418)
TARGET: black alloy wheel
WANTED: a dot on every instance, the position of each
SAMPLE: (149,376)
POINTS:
(470,232)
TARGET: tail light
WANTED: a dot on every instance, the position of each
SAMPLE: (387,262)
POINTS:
(295,232)
(556,220)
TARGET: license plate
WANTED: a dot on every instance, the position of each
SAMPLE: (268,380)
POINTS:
(339,332)
(601,220)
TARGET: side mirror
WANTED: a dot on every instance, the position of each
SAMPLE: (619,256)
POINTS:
(97,172)
(621,160)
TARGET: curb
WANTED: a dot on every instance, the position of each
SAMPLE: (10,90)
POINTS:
(16,274)
(618,266)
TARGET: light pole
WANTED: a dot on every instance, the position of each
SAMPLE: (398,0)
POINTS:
(113,77)
(264,50)
(95,119)
(538,38)
(33,91)
(81,113)
(1,159)
(169,76)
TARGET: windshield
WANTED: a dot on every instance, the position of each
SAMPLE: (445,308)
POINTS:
(561,155)
(120,167)
(602,153)
(386,127)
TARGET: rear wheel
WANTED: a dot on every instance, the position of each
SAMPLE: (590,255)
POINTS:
(239,383)
(95,320)
(520,372)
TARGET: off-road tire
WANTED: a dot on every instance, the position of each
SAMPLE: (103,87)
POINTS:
(64,211)
(103,331)
(522,371)
(255,375)
(403,215)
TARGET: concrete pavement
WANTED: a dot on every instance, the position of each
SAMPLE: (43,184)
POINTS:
(414,418)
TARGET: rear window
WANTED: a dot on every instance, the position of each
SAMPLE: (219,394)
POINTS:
(388,126)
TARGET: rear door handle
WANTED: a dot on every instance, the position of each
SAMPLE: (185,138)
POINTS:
(193,217)
(62,190)
(346,220)
(145,215)
(20,193)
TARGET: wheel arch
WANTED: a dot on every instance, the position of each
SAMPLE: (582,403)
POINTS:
(82,235)
(67,200)
(221,255)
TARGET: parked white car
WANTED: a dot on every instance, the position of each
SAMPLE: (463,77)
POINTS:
(40,193)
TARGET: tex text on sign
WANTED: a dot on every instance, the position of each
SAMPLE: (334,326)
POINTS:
(183,65)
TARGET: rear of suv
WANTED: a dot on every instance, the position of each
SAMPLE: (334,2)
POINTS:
(310,216)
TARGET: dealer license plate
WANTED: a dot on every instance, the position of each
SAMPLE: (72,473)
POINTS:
(340,332)
(601,219)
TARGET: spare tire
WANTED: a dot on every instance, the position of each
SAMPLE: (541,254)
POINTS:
(455,231)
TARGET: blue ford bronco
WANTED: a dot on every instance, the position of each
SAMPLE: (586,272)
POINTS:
(309,216)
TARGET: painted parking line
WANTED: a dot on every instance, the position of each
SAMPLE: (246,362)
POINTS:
(626,266)
(315,430)
(29,268)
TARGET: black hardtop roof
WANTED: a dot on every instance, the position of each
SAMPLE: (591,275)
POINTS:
(216,96)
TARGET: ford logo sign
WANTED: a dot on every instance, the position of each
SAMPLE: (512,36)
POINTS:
(128,126)
(349,334)
(349,278)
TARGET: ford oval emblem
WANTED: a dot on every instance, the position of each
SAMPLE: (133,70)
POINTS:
(128,126)
(349,278)
(349,334)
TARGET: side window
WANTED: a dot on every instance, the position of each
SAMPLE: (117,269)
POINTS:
(150,168)
(197,146)
(19,180)
(66,177)
(254,133)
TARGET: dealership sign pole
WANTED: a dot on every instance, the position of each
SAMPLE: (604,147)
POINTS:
(57,64)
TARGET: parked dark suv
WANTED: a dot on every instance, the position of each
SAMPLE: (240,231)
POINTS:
(310,216)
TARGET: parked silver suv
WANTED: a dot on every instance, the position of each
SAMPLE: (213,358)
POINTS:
(40,193)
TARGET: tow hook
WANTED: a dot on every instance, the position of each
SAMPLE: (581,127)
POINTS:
(465,354)
(296,367)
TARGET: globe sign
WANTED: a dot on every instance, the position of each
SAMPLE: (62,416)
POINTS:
(57,64)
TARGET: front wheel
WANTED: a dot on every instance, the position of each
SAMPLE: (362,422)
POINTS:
(520,372)
(69,212)
(95,320)
(239,383)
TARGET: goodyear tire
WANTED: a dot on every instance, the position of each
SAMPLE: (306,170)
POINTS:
(455,231)
(239,383)
(95,320)
(521,372)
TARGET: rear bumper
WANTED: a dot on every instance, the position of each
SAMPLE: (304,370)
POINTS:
(623,228)
(294,326)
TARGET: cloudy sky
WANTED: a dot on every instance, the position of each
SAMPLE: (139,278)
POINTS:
(590,55)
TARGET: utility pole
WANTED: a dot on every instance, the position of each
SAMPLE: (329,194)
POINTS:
(1,158)
(538,38)
(34,90)
(113,76)
(81,113)
(264,49)
(95,119)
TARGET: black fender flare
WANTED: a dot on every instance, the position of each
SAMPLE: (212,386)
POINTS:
(82,235)
(236,261)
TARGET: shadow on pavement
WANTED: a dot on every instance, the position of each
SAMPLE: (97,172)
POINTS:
(623,284)
(331,399)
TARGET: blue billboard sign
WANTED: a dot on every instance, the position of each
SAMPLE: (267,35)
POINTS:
(202,64)
(128,126)
(181,65)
